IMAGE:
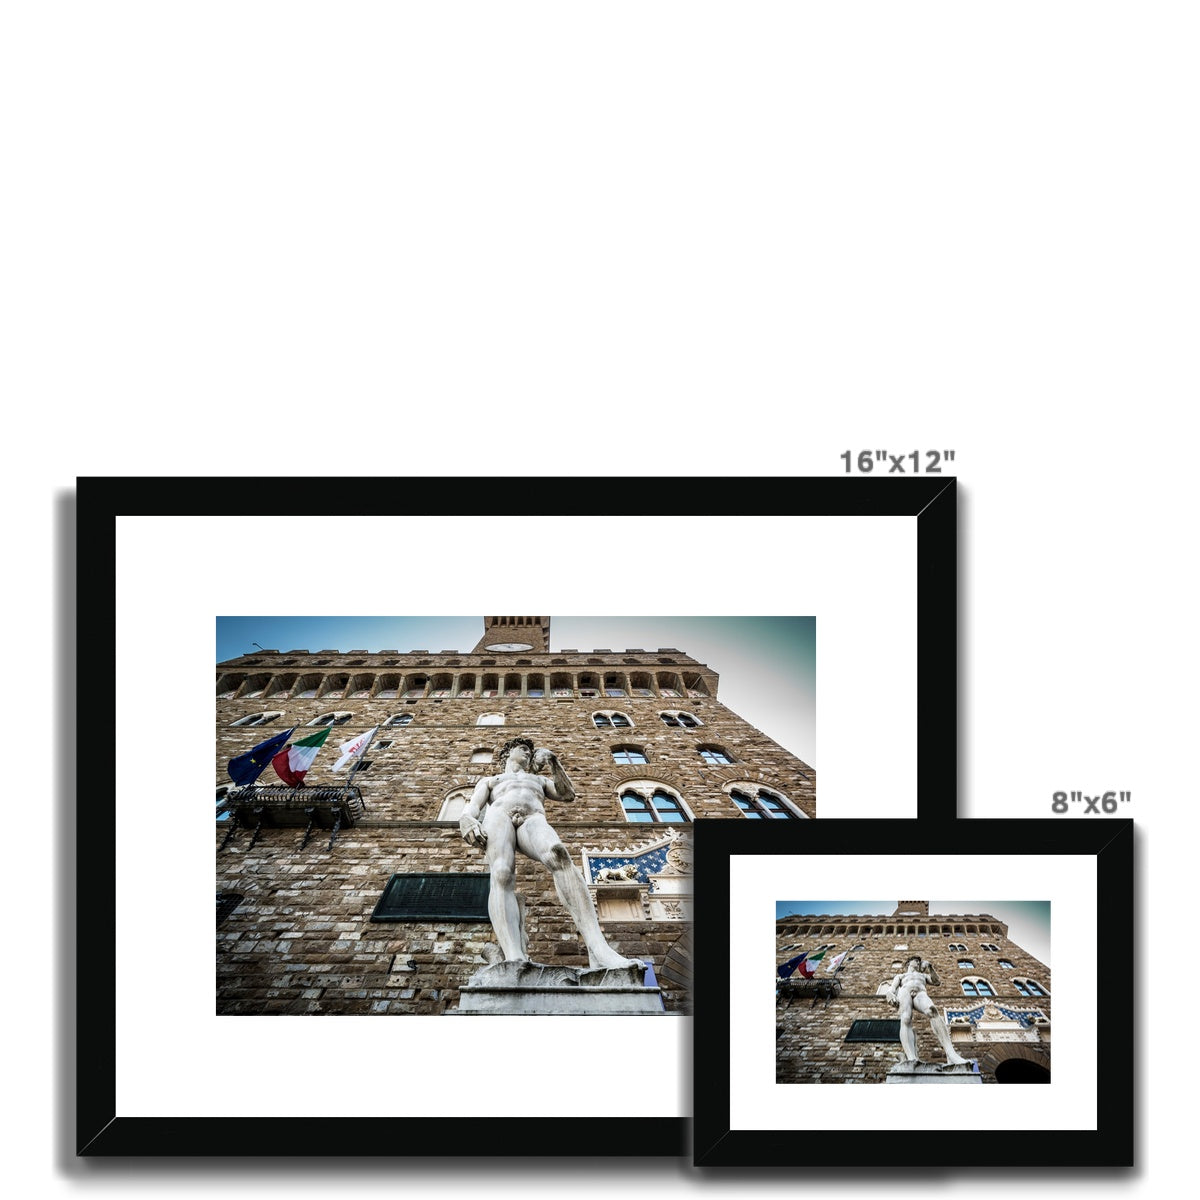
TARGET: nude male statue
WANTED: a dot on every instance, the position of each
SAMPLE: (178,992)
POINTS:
(505,814)
(908,992)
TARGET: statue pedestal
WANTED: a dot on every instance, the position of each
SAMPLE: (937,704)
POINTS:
(536,989)
(923,1072)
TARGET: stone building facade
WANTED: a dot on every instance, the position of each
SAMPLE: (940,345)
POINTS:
(358,895)
(838,1027)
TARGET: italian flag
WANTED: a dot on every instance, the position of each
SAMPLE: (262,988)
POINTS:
(808,968)
(291,764)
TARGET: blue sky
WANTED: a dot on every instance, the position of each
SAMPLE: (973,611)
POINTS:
(767,664)
(1028,920)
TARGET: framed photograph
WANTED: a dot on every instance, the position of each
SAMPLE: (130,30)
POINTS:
(796,995)
(870,562)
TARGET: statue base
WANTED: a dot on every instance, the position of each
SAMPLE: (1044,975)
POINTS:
(528,988)
(924,1072)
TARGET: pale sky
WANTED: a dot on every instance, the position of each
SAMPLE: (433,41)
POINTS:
(767,665)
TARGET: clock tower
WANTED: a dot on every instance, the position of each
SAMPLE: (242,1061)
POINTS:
(514,634)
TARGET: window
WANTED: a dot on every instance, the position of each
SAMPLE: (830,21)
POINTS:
(627,755)
(331,718)
(763,805)
(400,719)
(714,756)
(957,947)
(454,804)
(989,946)
(1006,964)
(683,720)
(1027,987)
(657,807)
(974,986)
(965,964)
(262,718)
(482,755)
(491,719)
(615,720)
(222,798)
(968,988)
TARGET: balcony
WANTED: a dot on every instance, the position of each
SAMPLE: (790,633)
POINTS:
(788,991)
(258,808)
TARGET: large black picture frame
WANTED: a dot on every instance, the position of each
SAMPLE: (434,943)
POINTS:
(104,1131)
(915,849)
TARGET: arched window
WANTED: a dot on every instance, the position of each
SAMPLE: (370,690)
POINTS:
(1028,987)
(614,684)
(653,804)
(491,719)
(262,718)
(331,718)
(975,986)
(1006,964)
(760,804)
(680,720)
(400,719)
(965,964)
(613,720)
(627,755)
(989,946)
(715,756)
(957,947)
(453,805)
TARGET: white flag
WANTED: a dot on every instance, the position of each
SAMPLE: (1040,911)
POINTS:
(834,963)
(353,748)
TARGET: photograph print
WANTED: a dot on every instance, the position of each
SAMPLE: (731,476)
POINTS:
(941,992)
(496,829)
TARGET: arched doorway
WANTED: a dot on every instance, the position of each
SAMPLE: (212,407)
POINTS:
(1021,1070)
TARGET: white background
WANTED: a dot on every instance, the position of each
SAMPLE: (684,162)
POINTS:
(649,239)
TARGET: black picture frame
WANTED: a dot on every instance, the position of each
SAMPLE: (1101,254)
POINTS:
(103,1131)
(716,1144)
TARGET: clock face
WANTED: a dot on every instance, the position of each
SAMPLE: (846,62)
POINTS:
(510,646)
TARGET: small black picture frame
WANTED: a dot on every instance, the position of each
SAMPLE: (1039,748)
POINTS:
(744,1117)
(262,507)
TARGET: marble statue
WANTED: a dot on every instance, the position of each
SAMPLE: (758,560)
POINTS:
(507,813)
(907,992)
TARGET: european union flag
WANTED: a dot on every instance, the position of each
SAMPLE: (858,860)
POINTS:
(246,768)
(792,963)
